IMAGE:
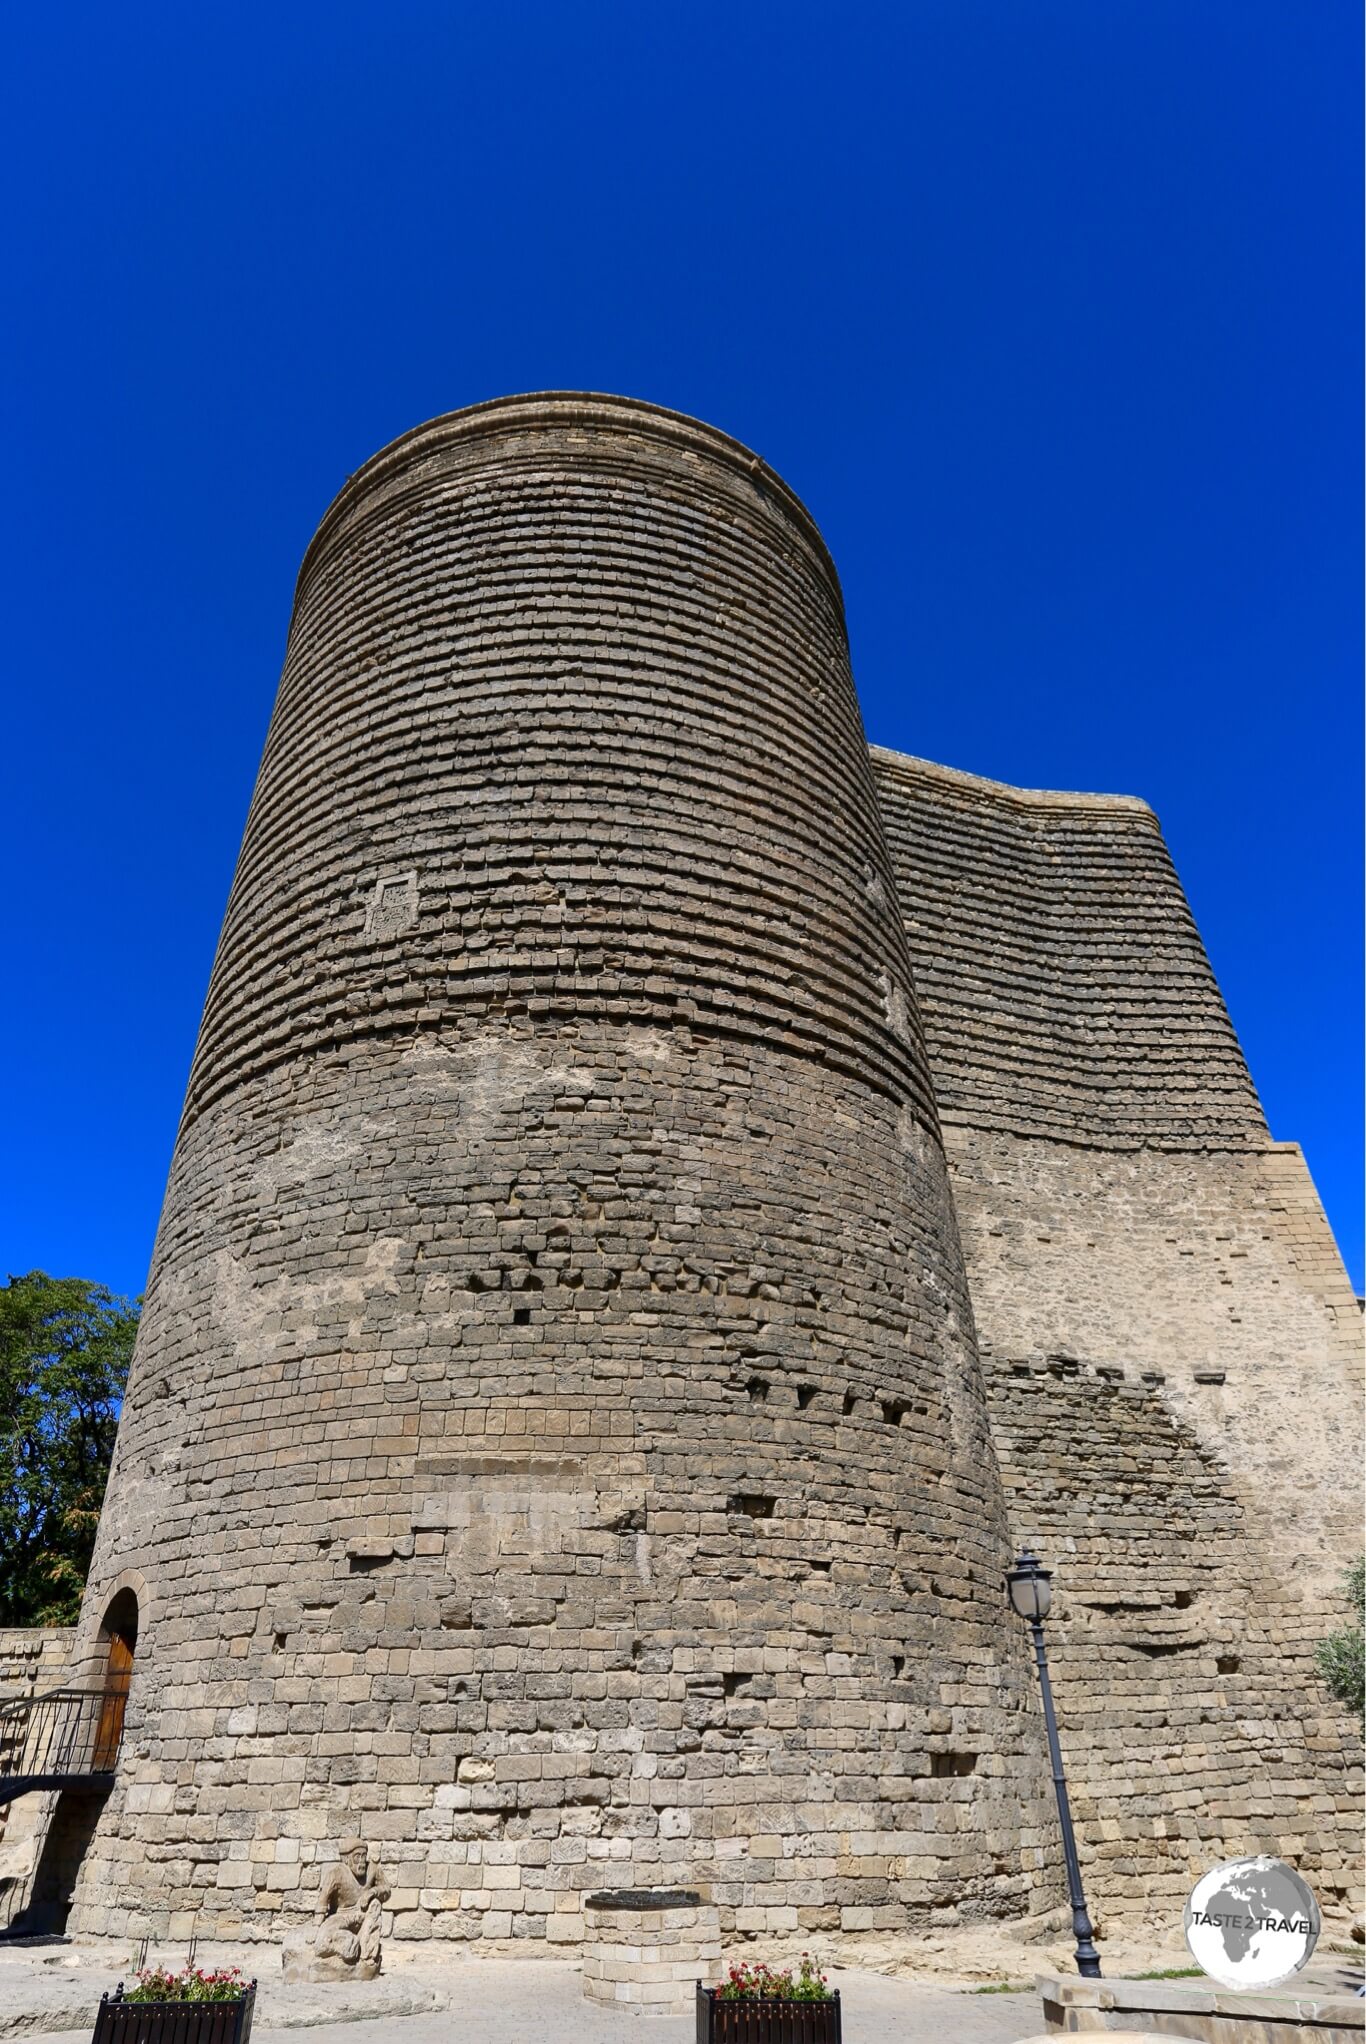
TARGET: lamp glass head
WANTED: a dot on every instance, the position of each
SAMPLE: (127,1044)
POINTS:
(1030,1587)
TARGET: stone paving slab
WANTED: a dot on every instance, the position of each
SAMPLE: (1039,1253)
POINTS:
(52,1991)
(522,2002)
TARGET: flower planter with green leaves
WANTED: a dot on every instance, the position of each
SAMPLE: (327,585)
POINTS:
(192,2007)
(757,2005)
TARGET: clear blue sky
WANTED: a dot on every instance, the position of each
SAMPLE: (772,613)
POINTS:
(1051,312)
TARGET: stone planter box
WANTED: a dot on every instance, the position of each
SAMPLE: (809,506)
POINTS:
(174,2022)
(647,1949)
(766,2022)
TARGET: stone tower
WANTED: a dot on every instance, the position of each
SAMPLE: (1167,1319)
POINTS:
(556,1446)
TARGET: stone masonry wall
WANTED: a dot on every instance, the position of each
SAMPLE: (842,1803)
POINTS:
(33,1659)
(1062,983)
(1172,1347)
(1194,1726)
(555,1446)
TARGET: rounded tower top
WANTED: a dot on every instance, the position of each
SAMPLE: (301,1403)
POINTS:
(566,729)
(593,411)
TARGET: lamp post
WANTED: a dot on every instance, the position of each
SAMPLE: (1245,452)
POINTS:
(1029,1586)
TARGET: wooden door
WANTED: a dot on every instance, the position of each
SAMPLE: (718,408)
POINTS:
(117,1676)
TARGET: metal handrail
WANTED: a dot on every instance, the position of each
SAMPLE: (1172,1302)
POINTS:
(63,1736)
(22,1702)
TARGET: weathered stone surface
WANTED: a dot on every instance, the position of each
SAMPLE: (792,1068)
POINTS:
(1062,983)
(561,1444)
(347,1943)
(570,1462)
(650,1961)
(32,1660)
(1172,1349)
(1199,2011)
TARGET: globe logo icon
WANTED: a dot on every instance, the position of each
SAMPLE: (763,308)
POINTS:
(1251,1922)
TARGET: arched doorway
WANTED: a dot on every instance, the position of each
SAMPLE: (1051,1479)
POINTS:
(91,1749)
(119,1632)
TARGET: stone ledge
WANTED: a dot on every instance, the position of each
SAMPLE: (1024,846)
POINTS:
(1207,2014)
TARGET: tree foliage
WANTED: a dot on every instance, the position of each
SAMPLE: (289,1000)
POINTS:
(1341,1658)
(65,1346)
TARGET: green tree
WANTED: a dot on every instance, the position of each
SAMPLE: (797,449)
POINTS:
(65,1346)
(1341,1658)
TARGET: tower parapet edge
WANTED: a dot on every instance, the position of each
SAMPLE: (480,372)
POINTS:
(556,1447)
(535,411)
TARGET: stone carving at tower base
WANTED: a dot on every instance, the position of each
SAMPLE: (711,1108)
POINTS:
(346,1945)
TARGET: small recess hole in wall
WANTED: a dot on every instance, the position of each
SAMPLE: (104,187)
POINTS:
(757,1389)
(893,1410)
(898,1664)
(1227,1664)
(848,1404)
(805,1394)
(1184,1599)
(752,1504)
(733,1684)
(278,1641)
(521,1316)
(944,1764)
(633,1520)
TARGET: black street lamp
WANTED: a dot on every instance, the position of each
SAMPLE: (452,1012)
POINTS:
(1029,1585)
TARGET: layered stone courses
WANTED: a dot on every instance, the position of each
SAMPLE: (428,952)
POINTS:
(650,1960)
(558,1447)
(1189,1697)
(33,1660)
(1171,1346)
(591,618)
(1059,970)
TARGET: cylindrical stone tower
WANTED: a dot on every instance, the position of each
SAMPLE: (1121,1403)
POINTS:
(555,1447)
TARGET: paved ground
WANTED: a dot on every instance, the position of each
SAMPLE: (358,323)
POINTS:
(43,1991)
(539,2002)
(542,2003)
